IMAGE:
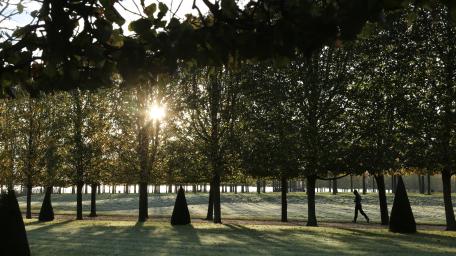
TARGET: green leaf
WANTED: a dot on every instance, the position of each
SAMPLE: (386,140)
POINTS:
(150,10)
(105,3)
(104,30)
(111,14)
(163,10)
(20,8)
(140,26)
(116,39)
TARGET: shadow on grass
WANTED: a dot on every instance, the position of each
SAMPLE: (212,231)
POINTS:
(149,238)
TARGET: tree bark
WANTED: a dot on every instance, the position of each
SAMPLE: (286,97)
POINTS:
(258,183)
(79,186)
(380,179)
(28,214)
(364,184)
(311,215)
(284,198)
(217,203)
(334,184)
(351,183)
(449,212)
(210,205)
(422,184)
(143,204)
(429,184)
(93,200)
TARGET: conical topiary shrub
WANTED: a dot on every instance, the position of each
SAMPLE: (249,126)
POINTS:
(14,241)
(47,212)
(402,219)
(181,215)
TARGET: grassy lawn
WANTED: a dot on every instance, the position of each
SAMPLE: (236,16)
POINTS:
(339,208)
(72,237)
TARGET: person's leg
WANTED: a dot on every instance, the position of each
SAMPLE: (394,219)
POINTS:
(356,213)
(363,213)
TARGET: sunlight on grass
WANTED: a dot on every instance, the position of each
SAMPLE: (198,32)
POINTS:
(339,208)
(130,238)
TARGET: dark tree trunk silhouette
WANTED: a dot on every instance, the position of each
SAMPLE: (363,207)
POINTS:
(311,215)
(28,214)
(380,179)
(284,198)
(93,200)
(351,183)
(449,212)
(429,184)
(210,205)
(334,185)
(79,200)
(217,205)
(143,204)
(364,184)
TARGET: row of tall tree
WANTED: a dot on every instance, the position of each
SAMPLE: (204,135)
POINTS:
(383,103)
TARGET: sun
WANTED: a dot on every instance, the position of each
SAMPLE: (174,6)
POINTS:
(157,112)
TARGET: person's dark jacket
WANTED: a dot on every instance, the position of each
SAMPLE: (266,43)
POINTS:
(357,199)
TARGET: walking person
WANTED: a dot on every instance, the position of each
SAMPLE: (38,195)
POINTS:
(358,206)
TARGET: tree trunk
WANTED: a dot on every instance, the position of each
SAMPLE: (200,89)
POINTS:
(264,186)
(449,213)
(351,183)
(429,184)
(364,184)
(143,204)
(85,189)
(28,214)
(217,205)
(334,186)
(93,200)
(311,215)
(422,185)
(284,198)
(380,179)
(210,205)
(72,190)
(258,183)
(79,200)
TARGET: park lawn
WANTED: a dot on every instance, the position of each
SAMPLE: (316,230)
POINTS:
(71,237)
(428,209)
